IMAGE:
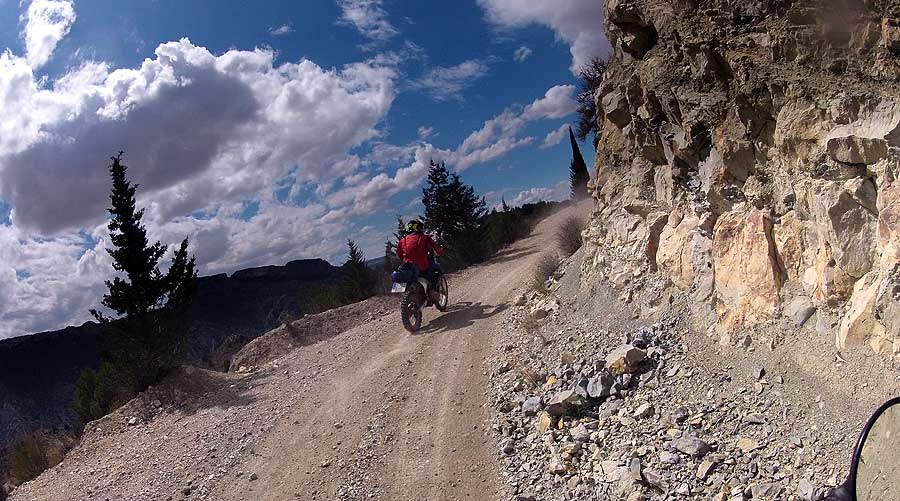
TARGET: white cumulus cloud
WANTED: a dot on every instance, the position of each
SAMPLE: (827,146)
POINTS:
(555,136)
(204,135)
(46,23)
(556,193)
(579,23)
(197,129)
(499,135)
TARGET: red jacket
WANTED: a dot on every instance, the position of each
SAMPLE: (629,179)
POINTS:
(415,247)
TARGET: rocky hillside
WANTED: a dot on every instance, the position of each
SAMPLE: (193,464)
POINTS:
(39,371)
(749,152)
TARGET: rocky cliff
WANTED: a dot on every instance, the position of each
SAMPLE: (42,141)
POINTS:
(749,152)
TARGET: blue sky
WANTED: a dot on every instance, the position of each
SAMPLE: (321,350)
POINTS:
(265,131)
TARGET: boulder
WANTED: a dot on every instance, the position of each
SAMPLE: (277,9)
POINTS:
(563,403)
(748,279)
(644,411)
(531,406)
(625,359)
(615,106)
(859,323)
(766,490)
(799,310)
(580,433)
(601,385)
(721,182)
(789,244)
(556,466)
(850,233)
(690,445)
(655,222)
(888,229)
(890,35)
(887,311)
(544,422)
(857,150)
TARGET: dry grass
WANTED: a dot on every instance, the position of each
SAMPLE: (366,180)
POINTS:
(528,374)
(543,269)
(532,327)
(568,236)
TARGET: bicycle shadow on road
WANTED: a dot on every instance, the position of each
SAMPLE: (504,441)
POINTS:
(461,315)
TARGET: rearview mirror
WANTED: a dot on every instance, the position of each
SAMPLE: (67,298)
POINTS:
(878,462)
(875,466)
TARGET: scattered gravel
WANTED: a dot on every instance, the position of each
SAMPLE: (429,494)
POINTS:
(605,404)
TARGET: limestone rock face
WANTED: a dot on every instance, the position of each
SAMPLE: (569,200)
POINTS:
(749,152)
(859,324)
(748,278)
(675,254)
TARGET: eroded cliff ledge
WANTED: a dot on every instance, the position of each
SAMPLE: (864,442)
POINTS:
(749,152)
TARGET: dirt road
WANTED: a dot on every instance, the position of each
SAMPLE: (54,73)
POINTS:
(371,413)
(400,416)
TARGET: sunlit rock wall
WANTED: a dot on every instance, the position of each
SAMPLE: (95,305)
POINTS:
(749,152)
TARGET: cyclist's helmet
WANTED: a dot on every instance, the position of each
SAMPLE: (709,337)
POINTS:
(415,226)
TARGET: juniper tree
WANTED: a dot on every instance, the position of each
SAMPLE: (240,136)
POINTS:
(578,171)
(358,281)
(591,76)
(147,335)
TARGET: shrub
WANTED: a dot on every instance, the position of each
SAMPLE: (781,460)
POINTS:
(358,281)
(568,236)
(543,269)
(99,392)
(33,454)
(324,298)
(28,458)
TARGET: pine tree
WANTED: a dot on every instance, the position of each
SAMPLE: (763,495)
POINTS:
(144,289)
(578,172)
(454,214)
(147,338)
(435,199)
(358,282)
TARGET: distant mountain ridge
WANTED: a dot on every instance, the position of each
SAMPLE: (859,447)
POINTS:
(38,371)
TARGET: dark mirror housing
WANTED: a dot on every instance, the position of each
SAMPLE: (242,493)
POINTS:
(859,483)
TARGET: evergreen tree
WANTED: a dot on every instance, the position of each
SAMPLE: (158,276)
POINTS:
(435,199)
(454,214)
(578,172)
(591,76)
(144,289)
(148,336)
(358,281)
(391,261)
